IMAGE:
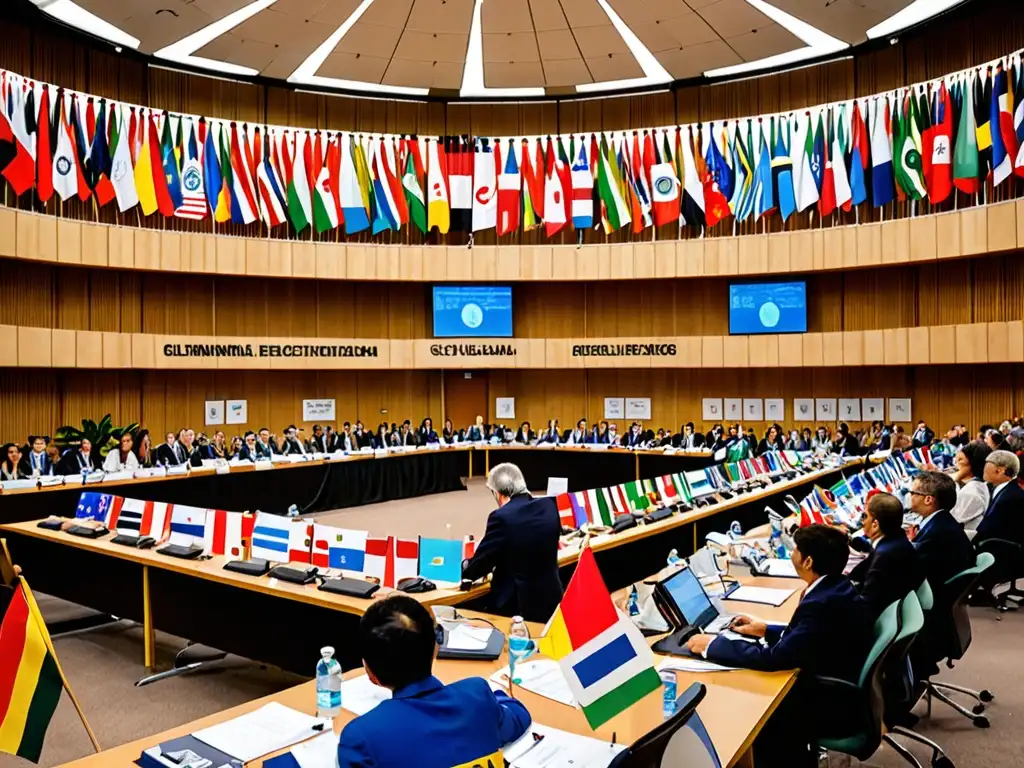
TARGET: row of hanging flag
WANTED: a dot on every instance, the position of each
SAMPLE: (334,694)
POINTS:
(600,506)
(915,143)
(239,535)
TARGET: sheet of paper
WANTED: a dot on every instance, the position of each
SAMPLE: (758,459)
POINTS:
(321,752)
(466,638)
(545,747)
(776,567)
(692,665)
(359,695)
(763,595)
(542,677)
(268,729)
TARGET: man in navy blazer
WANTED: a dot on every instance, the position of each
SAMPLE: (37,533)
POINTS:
(940,541)
(1004,518)
(425,723)
(892,568)
(38,460)
(830,635)
(521,546)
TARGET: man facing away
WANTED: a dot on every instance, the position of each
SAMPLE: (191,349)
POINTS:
(425,723)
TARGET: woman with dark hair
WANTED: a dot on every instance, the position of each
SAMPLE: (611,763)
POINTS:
(15,466)
(218,448)
(772,441)
(601,433)
(448,434)
(996,440)
(143,448)
(524,435)
(822,441)
(236,446)
(972,496)
(426,434)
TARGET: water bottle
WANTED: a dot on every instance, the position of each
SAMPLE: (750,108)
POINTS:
(633,604)
(669,689)
(674,559)
(328,684)
(293,510)
(735,530)
(85,474)
(519,646)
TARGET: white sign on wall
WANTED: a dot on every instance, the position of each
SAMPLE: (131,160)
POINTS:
(711,408)
(318,410)
(615,407)
(505,407)
(214,412)
(872,408)
(753,409)
(849,409)
(899,409)
(803,409)
(733,408)
(638,408)
(775,409)
(238,411)
(825,408)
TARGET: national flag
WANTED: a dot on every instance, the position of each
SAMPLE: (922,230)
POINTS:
(271,188)
(300,206)
(171,172)
(966,164)
(98,161)
(440,560)
(389,560)
(142,518)
(860,160)
(385,208)
(486,165)
(44,150)
(710,169)
(763,192)
(438,208)
(352,203)
(742,203)
(144,167)
(270,537)
(362,168)
(636,495)
(582,188)
(339,548)
(556,209)
(122,175)
(509,185)
(827,199)
(579,509)
(583,505)
(394,169)
(325,212)
(598,504)
(693,186)
(983,121)
(698,483)
(31,680)
(226,533)
(300,542)
(81,146)
(667,489)
(810,514)
(188,526)
(566,514)
(20,172)
(8,146)
(882,190)
(100,507)
(63,173)
(617,498)
(412,182)
(907,144)
(614,213)
(244,208)
(1017,85)
(213,181)
(604,657)
(468,547)
(938,149)
(459,163)
(800,149)
(637,189)
(533,179)
(782,177)
(1004,138)
(664,185)
(840,177)
(719,163)
(193,194)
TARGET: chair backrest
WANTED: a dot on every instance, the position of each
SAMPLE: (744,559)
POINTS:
(959,588)
(925,596)
(887,627)
(899,681)
(1009,558)
(680,740)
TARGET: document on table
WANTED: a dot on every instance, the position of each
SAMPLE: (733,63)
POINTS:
(763,595)
(359,695)
(321,752)
(268,729)
(542,677)
(546,747)
(777,567)
(466,638)
(685,664)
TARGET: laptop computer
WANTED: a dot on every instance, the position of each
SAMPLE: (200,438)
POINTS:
(685,597)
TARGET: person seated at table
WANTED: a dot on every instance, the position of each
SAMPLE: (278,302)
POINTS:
(251,449)
(520,545)
(1004,518)
(614,438)
(426,435)
(600,433)
(39,463)
(892,568)
(15,466)
(580,435)
(829,635)
(267,442)
(973,495)
(361,435)
(687,439)
(405,436)
(291,445)
(218,447)
(346,440)
(940,541)
(844,443)
(192,447)
(476,432)
(318,442)
(448,434)
(551,434)
(123,457)
(661,439)
(235,446)
(425,722)
(382,437)
(144,448)
(524,435)
(77,459)
(772,441)
(164,455)
(635,437)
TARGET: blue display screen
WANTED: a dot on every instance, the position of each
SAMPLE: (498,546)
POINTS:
(768,307)
(472,310)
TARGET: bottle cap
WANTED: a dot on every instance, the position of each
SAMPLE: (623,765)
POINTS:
(327,651)
(517,619)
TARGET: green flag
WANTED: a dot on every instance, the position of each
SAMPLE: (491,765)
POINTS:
(414,192)
(965,154)
(614,214)
(907,143)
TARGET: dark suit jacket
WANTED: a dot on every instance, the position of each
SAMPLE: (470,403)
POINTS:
(319,444)
(529,437)
(166,456)
(849,445)
(888,573)
(550,436)
(944,550)
(679,441)
(22,472)
(380,442)
(919,439)
(521,546)
(631,440)
(46,467)
(257,452)
(70,465)
(289,447)
(408,438)
(1004,518)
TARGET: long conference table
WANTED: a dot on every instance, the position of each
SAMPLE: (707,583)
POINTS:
(257,618)
(735,709)
(320,484)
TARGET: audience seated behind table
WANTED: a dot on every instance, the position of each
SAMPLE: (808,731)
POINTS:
(524,435)
(578,436)
(426,435)
(829,635)
(520,545)
(892,568)
(448,434)
(634,438)
(77,459)
(772,441)
(40,464)
(122,458)
(1004,518)
(143,447)
(477,432)
(688,439)
(217,448)
(425,722)
(14,466)
(551,434)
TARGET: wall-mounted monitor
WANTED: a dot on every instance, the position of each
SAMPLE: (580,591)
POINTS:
(472,310)
(768,307)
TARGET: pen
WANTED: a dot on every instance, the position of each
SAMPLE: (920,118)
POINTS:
(537,739)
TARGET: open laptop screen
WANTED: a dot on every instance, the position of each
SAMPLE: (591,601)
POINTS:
(691,602)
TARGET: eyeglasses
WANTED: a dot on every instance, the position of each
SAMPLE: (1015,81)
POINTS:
(918,493)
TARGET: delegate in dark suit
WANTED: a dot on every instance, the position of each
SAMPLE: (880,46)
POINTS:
(943,548)
(521,546)
(168,456)
(1004,518)
(254,453)
(889,573)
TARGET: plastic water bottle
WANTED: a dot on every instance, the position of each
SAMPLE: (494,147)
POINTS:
(85,474)
(293,510)
(633,604)
(519,646)
(735,530)
(328,684)
(674,559)
(669,691)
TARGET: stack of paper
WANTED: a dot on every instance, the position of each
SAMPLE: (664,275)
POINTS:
(321,752)
(688,664)
(543,746)
(464,637)
(268,729)
(542,677)
(763,595)
(359,695)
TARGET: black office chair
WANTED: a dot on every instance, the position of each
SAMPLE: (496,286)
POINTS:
(1009,567)
(680,740)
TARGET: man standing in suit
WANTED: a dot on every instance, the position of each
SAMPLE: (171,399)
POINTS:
(892,569)
(464,723)
(829,635)
(1004,518)
(521,546)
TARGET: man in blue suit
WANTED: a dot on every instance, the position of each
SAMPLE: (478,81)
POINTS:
(1004,518)
(425,723)
(830,635)
(38,461)
(892,568)
(521,546)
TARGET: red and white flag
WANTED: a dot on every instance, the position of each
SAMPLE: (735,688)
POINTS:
(389,560)
(227,533)
(300,542)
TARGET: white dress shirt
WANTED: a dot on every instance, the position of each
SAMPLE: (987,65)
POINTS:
(972,501)
(113,461)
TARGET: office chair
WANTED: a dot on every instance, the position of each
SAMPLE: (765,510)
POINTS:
(959,640)
(864,730)
(680,740)
(1009,567)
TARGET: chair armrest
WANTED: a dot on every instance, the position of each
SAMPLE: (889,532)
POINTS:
(837,685)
